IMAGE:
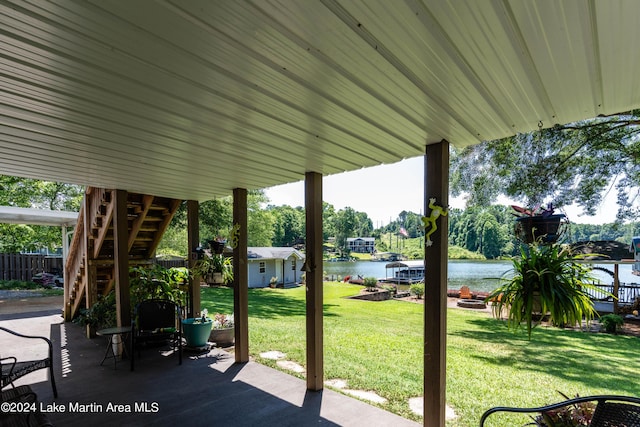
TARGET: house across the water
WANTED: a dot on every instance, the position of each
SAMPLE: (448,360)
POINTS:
(362,245)
(282,262)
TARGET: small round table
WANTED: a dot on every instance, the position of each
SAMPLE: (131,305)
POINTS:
(121,332)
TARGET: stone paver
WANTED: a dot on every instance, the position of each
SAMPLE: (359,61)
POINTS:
(290,366)
(367,395)
(416,404)
(273,355)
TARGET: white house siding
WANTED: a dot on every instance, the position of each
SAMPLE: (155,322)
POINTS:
(257,279)
(290,274)
(276,265)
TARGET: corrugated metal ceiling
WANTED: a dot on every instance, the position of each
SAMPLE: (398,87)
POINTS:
(190,99)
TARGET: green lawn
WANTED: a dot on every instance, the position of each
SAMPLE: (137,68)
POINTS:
(377,346)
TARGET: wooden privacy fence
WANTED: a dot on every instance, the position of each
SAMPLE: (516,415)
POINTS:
(24,266)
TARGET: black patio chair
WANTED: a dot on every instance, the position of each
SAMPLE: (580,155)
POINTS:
(156,322)
(610,410)
(12,368)
(26,411)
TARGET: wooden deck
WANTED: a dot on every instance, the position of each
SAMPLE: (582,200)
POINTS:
(207,390)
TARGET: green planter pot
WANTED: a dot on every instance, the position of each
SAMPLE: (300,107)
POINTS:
(196,333)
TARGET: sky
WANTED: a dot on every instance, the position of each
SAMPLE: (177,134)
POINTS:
(385,191)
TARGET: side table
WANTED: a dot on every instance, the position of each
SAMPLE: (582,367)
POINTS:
(122,333)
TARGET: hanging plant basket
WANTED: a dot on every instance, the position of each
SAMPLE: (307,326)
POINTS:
(543,229)
(215,279)
(217,247)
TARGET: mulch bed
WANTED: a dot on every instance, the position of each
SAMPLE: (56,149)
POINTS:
(631,328)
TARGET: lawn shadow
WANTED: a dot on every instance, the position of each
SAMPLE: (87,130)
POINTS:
(263,303)
(562,353)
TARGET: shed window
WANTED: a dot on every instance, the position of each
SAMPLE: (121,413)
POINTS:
(263,267)
(293,264)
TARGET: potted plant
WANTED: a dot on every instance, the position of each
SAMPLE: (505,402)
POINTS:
(222,331)
(213,268)
(102,314)
(196,330)
(539,224)
(273,282)
(545,280)
(576,415)
(217,245)
(227,271)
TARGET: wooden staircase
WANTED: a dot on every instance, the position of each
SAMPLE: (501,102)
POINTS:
(90,270)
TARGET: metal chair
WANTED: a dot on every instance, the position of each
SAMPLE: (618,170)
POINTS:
(27,412)
(156,321)
(610,410)
(12,369)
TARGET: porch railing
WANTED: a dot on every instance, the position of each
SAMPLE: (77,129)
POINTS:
(627,292)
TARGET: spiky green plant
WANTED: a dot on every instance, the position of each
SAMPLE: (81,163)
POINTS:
(547,280)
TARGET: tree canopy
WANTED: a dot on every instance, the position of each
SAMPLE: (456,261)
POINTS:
(578,162)
(31,193)
(481,229)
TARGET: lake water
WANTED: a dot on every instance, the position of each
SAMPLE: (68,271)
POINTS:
(478,275)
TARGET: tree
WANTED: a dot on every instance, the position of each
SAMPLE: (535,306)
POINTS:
(345,225)
(364,225)
(16,238)
(259,221)
(174,242)
(31,193)
(289,225)
(328,221)
(577,162)
(348,223)
(215,218)
(410,221)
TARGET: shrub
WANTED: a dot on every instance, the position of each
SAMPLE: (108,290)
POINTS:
(370,283)
(391,288)
(417,289)
(102,313)
(610,322)
(145,283)
(18,285)
(157,282)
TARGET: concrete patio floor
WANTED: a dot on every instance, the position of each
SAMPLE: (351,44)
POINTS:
(206,390)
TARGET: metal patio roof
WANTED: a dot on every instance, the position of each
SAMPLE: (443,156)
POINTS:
(13,215)
(190,99)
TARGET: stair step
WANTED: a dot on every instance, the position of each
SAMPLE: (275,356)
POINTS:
(155,210)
